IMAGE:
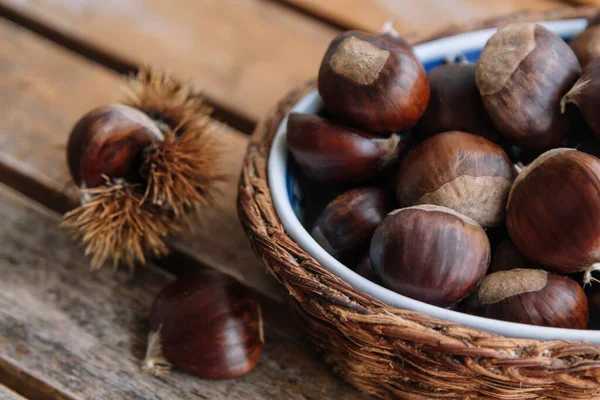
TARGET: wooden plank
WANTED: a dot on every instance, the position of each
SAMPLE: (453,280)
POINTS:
(244,54)
(83,333)
(411,17)
(7,394)
(40,103)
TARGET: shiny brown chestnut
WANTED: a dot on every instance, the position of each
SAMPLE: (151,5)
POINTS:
(365,269)
(373,82)
(533,297)
(206,323)
(331,152)
(585,95)
(465,172)
(346,226)
(455,104)
(109,141)
(430,253)
(593,296)
(553,212)
(507,257)
(523,72)
(586,45)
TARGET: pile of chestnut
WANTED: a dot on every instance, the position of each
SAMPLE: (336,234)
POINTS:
(473,187)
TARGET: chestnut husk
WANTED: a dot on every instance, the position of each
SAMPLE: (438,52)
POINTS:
(584,94)
(373,82)
(459,170)
(205,323)
(523,72)
(533,297)
(346,226)
(328,151)
(430,253)
(455,104)
(553,210)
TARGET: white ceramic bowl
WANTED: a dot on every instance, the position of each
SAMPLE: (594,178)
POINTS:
(287,195)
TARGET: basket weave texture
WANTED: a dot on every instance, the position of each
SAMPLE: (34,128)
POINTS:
(393,353)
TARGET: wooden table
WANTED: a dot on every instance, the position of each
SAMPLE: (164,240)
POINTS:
(68,333)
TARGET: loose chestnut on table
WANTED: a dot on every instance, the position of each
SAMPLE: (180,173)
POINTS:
(534,297)
(455,104)
(205,323)
(586,96)
(328,151)
(553,212)
(523,72)
(346,226)
(464,172)
(373,82)
(430,253)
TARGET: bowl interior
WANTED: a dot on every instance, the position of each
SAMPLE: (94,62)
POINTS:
(291,204)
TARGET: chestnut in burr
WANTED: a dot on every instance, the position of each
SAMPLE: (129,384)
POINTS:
(206,323)
(430,253)
(346,226)
(331,152)
(464,172)
(373,82)
(553,212)
(533,297)
(523,72)
(455,104)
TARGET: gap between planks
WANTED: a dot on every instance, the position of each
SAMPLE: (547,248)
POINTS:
(112,61)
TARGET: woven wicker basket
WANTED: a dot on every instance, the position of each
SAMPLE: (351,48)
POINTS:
(393,353)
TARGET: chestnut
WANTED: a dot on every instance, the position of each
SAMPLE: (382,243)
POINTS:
(346,226)
(465,172)
(593,296)
(507,257)
(430,253)
(586,45)
(584,94)
(330,152)
(206,323)
(455,104)
(373,82)
(109,142)
(365,269)
(533,297)
(522,73)
(553,211)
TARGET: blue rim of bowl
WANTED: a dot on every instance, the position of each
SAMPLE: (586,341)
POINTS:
(286,197)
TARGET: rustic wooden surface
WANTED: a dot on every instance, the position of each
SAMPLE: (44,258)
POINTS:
(410,16)
(66,333)
(83,333)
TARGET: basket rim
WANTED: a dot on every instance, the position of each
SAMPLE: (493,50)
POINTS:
(341,320)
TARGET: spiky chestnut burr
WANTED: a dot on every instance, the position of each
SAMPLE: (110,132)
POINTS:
(144,168)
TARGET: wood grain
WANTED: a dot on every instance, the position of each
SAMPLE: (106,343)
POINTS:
(244,54)
(45,100)
(7,394)
(423,16)
(84,333)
